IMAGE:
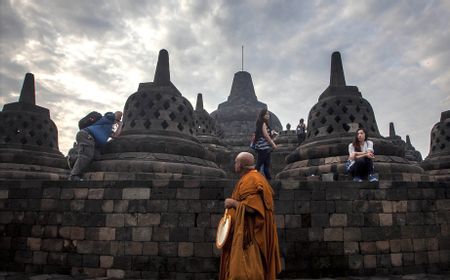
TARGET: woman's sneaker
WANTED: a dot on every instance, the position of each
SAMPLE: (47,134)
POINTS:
(372,178)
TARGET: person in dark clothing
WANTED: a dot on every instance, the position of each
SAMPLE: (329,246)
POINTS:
(264,142)
(92,137)
(361,154)
(301,131)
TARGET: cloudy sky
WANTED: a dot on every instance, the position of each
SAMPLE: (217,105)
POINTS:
(91,55)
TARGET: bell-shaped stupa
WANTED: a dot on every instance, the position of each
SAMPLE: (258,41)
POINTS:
(158,137)
(29,139)
(237,116)
(206,131)
(437,163)
(394,138)
(332,125)
(411,154)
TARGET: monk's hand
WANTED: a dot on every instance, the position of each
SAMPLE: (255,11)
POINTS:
(231,203)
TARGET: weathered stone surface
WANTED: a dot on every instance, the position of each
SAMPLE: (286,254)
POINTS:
(332,124)
(29,140)
(437,163)
(237,116)
(158,138)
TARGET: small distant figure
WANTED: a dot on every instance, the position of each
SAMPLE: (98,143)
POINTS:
(94,137)
(264,142)
(252,208)
(361,154)
(301,131)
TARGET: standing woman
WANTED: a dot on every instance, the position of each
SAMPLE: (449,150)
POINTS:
(361,153)
(264,142)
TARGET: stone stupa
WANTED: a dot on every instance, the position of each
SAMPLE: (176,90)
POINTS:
(332,125)
(237,116)
(394,138)
(158,138)
(437,163)
(29,139)
(206,132)
(411,154)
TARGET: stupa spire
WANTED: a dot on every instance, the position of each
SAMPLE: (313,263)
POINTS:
(408,141)
(337,77)
(199,104)
(391,129)
(162,73)
(28,93)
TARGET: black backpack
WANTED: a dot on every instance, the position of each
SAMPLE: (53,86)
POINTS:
(89,119)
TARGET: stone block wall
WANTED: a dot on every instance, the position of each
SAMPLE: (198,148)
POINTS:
(166,228)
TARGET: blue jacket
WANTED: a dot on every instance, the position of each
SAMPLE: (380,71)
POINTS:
(101,130)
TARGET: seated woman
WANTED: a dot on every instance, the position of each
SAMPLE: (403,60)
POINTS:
(360,158)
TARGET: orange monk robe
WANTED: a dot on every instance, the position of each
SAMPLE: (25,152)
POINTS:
(255,192)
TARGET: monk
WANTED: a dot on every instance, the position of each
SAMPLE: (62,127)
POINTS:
(254,193)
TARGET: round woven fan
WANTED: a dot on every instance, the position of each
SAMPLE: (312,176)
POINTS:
(223,230)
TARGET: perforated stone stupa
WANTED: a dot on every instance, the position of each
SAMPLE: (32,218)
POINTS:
(158,136)
(29,139)
(206,132)
(332,124)
(437,162)
(237,116)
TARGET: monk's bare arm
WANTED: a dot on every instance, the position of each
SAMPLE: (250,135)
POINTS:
(232,203)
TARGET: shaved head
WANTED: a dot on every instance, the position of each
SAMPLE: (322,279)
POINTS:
(244,161)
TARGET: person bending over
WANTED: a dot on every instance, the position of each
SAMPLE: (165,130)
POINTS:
(94,137)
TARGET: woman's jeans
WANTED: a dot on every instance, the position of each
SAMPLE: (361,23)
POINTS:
(264,160)
(362,168)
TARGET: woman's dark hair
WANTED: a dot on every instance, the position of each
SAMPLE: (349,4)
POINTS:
(355,142)
(259,123)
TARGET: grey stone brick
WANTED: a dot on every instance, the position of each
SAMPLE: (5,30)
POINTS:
(106,261)
(414,218)
(168,249)
(293,221)
(120,206)
(298,234)
(186,220)
(148,219)
(133,248)
(90,261)
(382,246)
(40,257)
(161,234)
(136,193)
(96,193)
(344,206)
(158,206)
(355,262)
(188,193)
(47,193)
(150,248)
(203,249)
(319,206)
(333,234)
(333,194)
(141,234)
(351,248)
(196,234)
(338,220)
(352,234)
(315,234)
(178,234)
(300,207)
(320,220)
